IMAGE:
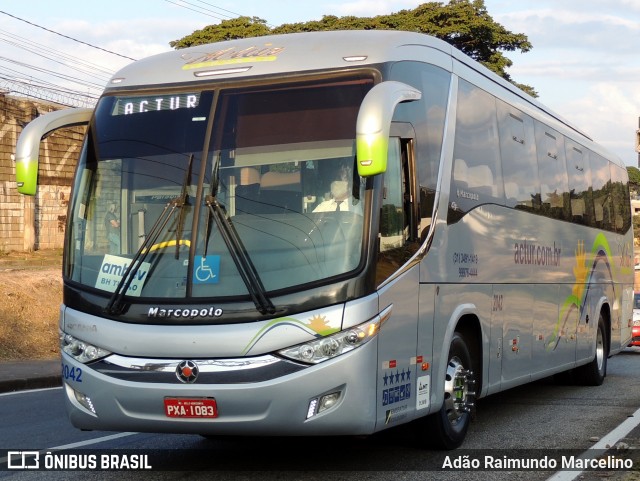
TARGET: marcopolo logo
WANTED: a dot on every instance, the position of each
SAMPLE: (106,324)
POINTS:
(186,313)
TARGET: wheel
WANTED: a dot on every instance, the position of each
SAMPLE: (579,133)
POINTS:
(448,427)
(593,374)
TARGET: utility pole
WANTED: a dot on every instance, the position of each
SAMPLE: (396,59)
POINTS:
(638,142)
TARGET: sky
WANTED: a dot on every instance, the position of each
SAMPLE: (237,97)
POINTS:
(584,63)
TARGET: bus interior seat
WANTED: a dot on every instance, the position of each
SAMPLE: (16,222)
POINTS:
(280,192)
(248,190)
(289,181)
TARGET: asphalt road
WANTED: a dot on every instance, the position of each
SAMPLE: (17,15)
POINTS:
(544,417)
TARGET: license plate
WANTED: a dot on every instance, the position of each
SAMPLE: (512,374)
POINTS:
(190,408)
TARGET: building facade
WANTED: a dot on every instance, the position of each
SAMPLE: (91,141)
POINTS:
(32,223)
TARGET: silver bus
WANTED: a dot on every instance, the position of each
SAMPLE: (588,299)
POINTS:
(329,234)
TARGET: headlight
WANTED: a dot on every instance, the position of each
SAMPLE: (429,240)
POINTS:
(79,350)
(328,347)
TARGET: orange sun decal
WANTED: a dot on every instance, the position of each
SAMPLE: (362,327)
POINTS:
(319,324)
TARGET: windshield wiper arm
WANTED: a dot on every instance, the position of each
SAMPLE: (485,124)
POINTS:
(240,257)
(184,199)
(114,306)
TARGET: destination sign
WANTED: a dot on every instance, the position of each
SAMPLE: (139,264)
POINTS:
(155,103)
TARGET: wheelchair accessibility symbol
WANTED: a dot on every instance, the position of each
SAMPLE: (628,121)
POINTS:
(206,269)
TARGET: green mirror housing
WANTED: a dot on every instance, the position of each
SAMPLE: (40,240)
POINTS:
(28,147)
(374,122)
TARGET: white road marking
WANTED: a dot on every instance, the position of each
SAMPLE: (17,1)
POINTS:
(608,441)
(28,391)
(79,444)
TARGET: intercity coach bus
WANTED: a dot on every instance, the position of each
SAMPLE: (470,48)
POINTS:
(329,234)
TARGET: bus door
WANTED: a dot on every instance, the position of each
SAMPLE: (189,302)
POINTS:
(397,241)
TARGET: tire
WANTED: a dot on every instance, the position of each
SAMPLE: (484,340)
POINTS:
(593,374)
(447,428)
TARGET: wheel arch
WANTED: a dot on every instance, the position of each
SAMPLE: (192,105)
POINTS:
(471,330)
(605,310)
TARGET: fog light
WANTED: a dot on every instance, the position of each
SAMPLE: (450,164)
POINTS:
(312,408)
(81,398)
(328,401)
(322,403)
(85,401)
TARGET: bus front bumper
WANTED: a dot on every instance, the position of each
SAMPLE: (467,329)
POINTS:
(280,406)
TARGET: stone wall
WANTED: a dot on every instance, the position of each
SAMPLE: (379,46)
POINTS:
(28,223)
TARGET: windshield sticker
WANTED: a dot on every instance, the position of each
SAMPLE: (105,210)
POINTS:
(112,270)
(231,56)
(206,270)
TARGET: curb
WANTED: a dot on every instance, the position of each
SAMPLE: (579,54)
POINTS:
(22,384)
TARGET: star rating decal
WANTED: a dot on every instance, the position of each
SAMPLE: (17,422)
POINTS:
(399,386)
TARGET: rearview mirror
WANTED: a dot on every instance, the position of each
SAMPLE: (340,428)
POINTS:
(374,122)
(28,147)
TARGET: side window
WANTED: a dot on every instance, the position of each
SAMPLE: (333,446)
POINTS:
(397,242)
(554,184)
(518,152)
(579,181)
(476,178)
(620,199)
(601,179)
(427,117)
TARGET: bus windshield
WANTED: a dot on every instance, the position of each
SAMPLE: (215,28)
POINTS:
(161,181)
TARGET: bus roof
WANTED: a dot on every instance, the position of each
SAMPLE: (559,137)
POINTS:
(305,52)
(274,54)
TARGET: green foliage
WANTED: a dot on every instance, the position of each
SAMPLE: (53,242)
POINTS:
(634,177)
(465,24)
(241,27)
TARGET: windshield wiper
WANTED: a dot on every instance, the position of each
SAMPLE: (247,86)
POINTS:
(184,197)
(115,304)
(240,257)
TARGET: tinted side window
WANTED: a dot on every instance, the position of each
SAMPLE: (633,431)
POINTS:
(620,199)
(427,116)
(554,185)
(601,179)
(579,181)
(477,176)
(396,242)
(518,152)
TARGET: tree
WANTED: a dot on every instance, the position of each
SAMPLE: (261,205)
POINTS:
(241,27)
(634,178)
(465,24)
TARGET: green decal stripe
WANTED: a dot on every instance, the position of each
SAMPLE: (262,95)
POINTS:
(282,321)
(600,242)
